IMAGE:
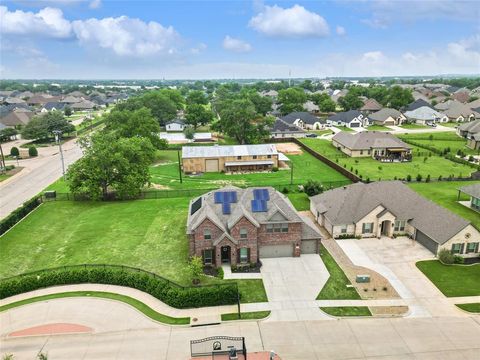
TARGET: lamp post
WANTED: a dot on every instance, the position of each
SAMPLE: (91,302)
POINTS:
(4,168)
(58,135)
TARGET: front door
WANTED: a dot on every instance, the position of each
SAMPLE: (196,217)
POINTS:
(225,254)
(386,225)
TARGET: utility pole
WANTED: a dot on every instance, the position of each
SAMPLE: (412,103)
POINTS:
(4,169)
(58,135)
(179,167)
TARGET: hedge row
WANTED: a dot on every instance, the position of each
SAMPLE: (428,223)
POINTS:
(164,290)
(89,127)
(19,214)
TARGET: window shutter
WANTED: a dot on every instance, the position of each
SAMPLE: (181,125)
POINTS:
(248,254)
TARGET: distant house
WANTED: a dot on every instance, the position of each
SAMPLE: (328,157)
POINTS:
(51,106)
(241,226)
(179,138)
(471,132)
(16,117)
(311,107)
(418,104)
(387,116)
(391,208)
(370,105)
(457,112)
(270,93)
(71,99)
(425,115)
(282,129)
(229,158)
(175,125)
(474,192)
(378,145)
(304,120)
(83,105)
(461,95)
(350,119)
(14,100)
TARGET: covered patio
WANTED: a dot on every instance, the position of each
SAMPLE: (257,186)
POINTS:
(244,166)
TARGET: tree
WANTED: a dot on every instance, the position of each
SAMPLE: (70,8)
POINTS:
(189,132)
(196,269)
(197,97)
(32,151)
(7,134)
(292,99)
(197,115)
(42,127)
(350,101)
(136,123)
(399,97)
(14,152)
(324,102)
(67,110)
(175,96)
(111,163)
(263,104)
(239,120)
(312,188)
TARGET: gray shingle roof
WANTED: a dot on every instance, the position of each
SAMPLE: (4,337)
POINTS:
(281,126)
(351,203)
(472,190)
(472,127)
(384,114)
(371,105)
(345,116)
(228,150)
(369,140)
(424,113)
(418,104)
(306,117)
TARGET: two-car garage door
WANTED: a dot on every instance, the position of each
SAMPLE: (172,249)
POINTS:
(426,241)
(274,251)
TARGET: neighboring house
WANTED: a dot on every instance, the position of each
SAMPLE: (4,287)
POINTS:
(461,95)
(474,104)
(271,94)
(241,226)
(425,115)
(304,120)
(175,125)
(282,129)
(350,119)
(51,106)
(370,105)
(229,158)
(457,112)
(471,132)
(387,117)
(418,104)
(13,101)
(16,117)
(474,192)
(391,208)
(39,100)
(71,99)
(375,144)
(417,95)
(83,105)
(337,94)
(311,107)
(179,138)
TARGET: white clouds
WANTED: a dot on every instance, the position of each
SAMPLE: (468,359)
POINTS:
(201,47)
(236,45)
(95,4)
(293,22)
(341,30)
(48,22)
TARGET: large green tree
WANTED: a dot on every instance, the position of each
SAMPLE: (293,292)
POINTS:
(292,99)
(197,115)
(350,101)
(136,123)
(324,102)
(42,126)
(109,164)
(399,97)
(197,97)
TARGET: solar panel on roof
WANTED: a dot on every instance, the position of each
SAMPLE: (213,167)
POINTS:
(259,205)
(218,197)
(196,205)
(226,208)
(261,194)
(266,195)
(233,196)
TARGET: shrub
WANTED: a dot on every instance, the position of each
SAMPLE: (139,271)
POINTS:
(285,190)
(419,178)
(220,273)
(274,169)
(32,151)
(446,257)
(312,188)
(427,179)
(458,259)
(409,178)
(18,214)
(368,180)
(14,151)
(196,268)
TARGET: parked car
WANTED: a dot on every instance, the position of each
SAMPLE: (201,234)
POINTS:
(311,135)
(432,124)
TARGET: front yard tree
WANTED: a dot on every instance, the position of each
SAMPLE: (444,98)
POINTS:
(197,97)
(14,151)
(189,132)
(197,115)
(350,101)
(67,111)
(7,134)
(292,99)
(196,269)
(399,97)
(42,127)
(110,163)
(324,102)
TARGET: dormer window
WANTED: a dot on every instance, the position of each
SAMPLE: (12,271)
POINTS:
(207,234)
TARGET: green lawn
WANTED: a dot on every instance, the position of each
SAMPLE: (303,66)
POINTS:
(440,141)
(414,126)
(305,167)
(300,201)
(321,132)
(347,311)
(378,128)
(452,280)
(344,128)
(4,177)
(148,234)
(254,315)
(445,194)
(450,124)
(374,170)
(140,306)
(336,286)
(473,307)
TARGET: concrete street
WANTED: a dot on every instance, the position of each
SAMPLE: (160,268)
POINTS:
(37,174)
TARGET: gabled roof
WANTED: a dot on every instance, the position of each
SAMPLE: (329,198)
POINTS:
(424,113)
(371,105)
(369,140)
(418,104)
(349,204)
(345,116)
(310,106)
(176,121)
(457,109)
(305,116)
(280,126)
(472,190)
(472,127)
(54,105)
(17,116)
(384,114)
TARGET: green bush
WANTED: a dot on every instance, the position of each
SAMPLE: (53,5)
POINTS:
(458,259)
(312,188)
(14,151)
(409,178)
(274,169)
(162,289)
(32,151)
(446,257)
(19,214)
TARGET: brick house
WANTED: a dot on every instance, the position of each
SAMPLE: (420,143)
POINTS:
(240,226)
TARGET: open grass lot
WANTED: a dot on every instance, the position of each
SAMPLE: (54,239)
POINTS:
(414,126)
(148,234)
(347,311)
(378,128)
(445,194)
(375,170)
(440,141)
(305,167)
(452,280)
(336,286)
(473,307)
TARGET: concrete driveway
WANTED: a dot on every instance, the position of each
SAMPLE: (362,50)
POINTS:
(395,259)
(292,285)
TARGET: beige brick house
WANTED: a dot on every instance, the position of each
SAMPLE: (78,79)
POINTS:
(229,158)
(240,226)
(390,208)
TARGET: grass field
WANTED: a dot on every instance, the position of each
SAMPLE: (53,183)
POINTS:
(441,141)
(473,307)
(305,167)
(148,234)
(254,315)
(375,170)
(300,201)
(445,194)
(414,126)
(140,306)
(378,128)
(452,280)
(336,286)
(347,311)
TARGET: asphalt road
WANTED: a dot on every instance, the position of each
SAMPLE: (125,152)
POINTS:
(37,174)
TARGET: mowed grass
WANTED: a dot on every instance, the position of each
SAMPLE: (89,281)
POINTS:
(347,311)
(253,315)
(441,141)
(148,234)
(378,128)
(414,126)
(300,201)
(473,307)
(452,280)
(374,170)
(445,193)
(305,167)
(336,286)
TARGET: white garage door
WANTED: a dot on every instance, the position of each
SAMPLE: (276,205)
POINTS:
(211,165)
(273,251)
(308,247)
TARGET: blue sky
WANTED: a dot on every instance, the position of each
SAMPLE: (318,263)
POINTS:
(102,39)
